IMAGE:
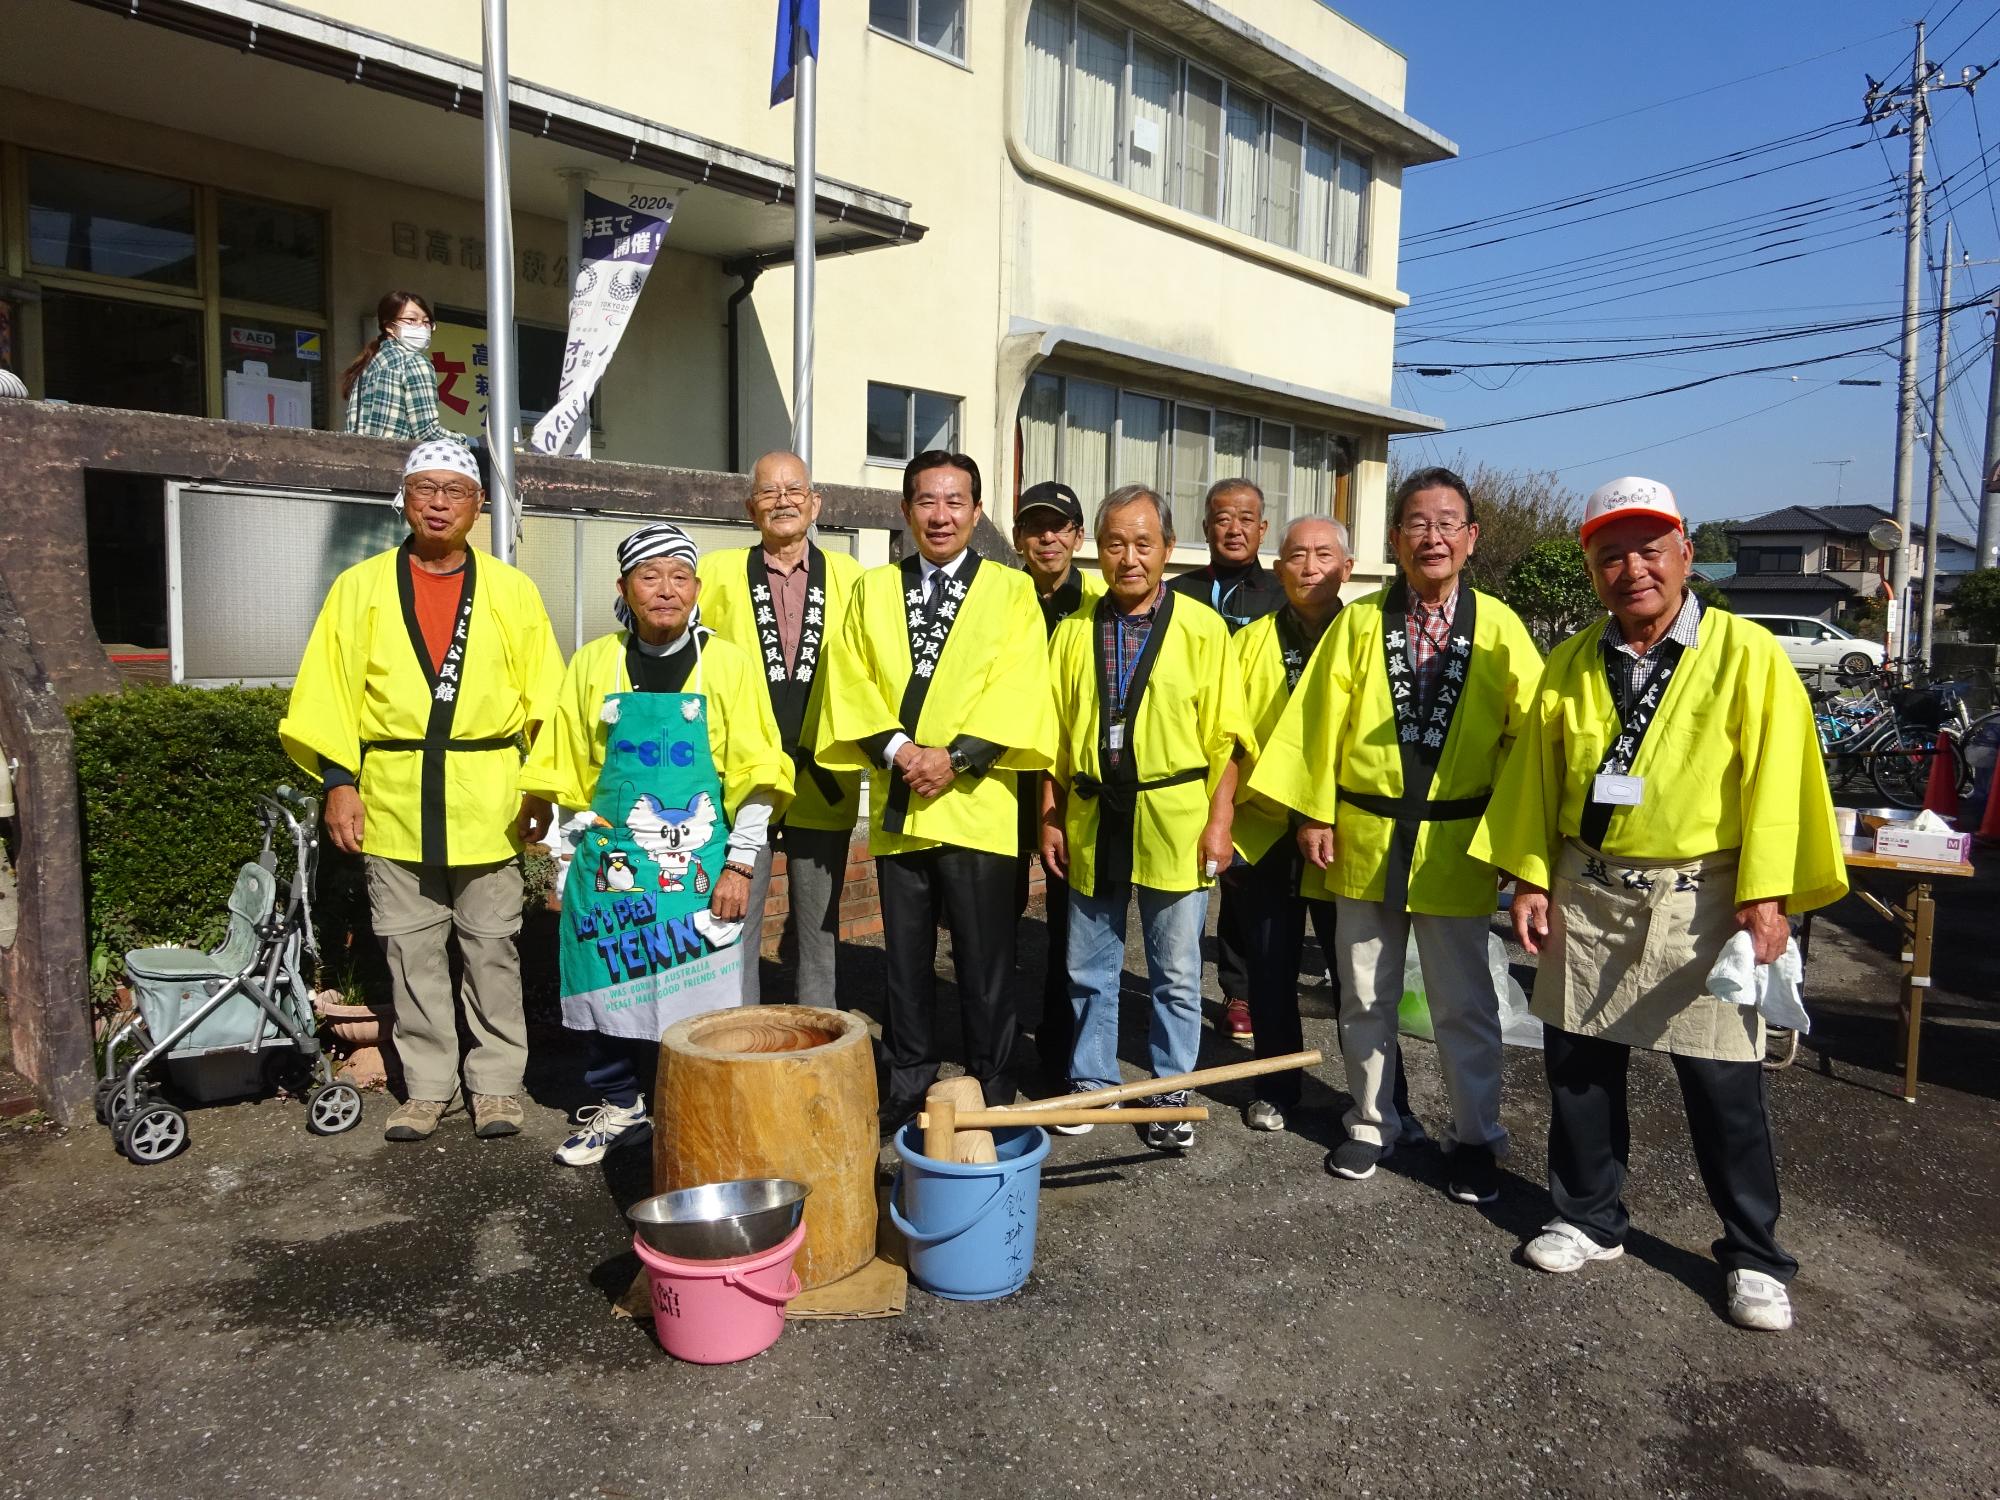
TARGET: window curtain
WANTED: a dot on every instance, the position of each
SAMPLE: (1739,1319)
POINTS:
(1309,472)
(1142,441)
(1088,412)
(1288,146)
(1245,124)
(1048,56)
(1316,195)
(1095,86)
(1234,435)
(1191,433)
(1351,240)
(1149,150)
(1201,144)
(1041,414)
(1274,473)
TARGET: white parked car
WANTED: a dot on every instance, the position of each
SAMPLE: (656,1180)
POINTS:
(1813,644)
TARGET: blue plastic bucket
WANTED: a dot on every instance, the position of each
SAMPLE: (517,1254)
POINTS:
(970,1226)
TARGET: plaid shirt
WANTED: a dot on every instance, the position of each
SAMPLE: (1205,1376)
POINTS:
(1430,633)
(1125,637)
(395,396)
(1638,664)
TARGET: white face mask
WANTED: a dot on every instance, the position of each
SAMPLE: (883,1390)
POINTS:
(413,337)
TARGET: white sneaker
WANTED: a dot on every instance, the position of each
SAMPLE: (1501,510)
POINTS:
(1759,1301)
(1561,1247)
(1082,1088)
(602,1127)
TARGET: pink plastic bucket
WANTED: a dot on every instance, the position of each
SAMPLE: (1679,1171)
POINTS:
(715,1312)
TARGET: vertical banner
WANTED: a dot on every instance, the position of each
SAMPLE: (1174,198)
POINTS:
(620,245)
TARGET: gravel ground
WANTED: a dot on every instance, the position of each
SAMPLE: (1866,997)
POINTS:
(275,1314)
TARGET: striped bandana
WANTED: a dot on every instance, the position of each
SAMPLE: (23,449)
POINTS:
(661,539)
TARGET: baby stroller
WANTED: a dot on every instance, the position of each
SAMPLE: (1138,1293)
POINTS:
(226,1023)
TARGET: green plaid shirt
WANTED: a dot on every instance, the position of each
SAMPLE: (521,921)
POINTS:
(396,396)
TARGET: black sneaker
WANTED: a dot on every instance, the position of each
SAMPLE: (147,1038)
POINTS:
(1472,1176)
(1356,1160)
(1168,1135)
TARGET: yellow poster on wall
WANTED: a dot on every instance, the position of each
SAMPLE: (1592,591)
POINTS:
(459,351)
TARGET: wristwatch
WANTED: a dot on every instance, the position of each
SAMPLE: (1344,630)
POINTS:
(961,763)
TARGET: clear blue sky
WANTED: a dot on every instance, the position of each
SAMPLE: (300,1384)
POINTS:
(1495,76)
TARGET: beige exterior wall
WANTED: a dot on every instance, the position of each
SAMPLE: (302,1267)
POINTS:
(1009,236)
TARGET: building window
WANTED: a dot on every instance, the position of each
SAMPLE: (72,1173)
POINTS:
(168,296)
(903,423)
(1771,560)
(1843,559)
(1112,102)
(101,221)
(934,25)
(1095,437)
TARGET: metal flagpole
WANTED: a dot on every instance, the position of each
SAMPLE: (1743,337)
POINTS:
(806,185)
(576,182)
(503,407)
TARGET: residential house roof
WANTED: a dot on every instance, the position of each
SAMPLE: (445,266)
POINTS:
(1841,520)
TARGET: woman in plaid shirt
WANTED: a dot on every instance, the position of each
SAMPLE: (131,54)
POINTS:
(391,389)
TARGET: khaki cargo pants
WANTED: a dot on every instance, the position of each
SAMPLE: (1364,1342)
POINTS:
(415,909)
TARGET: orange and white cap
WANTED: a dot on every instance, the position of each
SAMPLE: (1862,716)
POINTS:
(1630,496)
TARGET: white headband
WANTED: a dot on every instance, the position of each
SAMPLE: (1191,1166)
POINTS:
(439,453)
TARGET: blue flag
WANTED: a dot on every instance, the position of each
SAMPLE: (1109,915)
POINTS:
(798,36)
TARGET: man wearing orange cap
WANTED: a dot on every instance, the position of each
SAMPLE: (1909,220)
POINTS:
(1666,793)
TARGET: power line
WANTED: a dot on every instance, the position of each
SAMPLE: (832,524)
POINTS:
(1683,437)
(1669,390)
(1625,114)
(1583,197)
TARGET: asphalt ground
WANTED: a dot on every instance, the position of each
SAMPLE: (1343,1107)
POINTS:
(273,1313)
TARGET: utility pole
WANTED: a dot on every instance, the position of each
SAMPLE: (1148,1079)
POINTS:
(1911,100)
(1937,449)
(1988,554)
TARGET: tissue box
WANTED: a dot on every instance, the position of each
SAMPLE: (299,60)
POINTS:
(1910,843)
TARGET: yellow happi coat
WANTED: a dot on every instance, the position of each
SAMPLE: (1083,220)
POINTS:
(1339,731)
(742,735)
(366,678)
(727,609)
(1257,657)
(992,682)
(1731,761)
(1190,717)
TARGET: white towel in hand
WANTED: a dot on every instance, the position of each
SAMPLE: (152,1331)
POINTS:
(1773,988)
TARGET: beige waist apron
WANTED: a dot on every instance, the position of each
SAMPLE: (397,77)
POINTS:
(1630,945)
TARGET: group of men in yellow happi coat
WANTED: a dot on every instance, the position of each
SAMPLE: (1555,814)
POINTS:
(1379,769)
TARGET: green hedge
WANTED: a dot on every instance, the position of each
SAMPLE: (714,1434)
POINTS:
(167,782)
(167,779)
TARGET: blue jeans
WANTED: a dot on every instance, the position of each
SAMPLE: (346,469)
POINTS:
(1172,921)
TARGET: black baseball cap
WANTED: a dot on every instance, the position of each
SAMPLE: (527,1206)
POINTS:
(1050,494)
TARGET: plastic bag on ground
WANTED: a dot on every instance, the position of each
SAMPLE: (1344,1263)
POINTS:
(1518,1026)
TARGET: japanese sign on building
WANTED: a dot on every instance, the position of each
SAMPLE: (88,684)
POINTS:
(620,244)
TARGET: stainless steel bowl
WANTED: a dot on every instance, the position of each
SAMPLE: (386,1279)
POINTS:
(721,1220)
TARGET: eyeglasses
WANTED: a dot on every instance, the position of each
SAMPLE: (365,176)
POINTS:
(414,320)
(1444,531)
(430,489)
(769,495)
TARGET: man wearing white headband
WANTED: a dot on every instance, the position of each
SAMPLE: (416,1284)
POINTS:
(429,671)
(1665,797)
(664,731)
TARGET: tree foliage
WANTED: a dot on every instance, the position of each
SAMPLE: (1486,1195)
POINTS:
(1976,604)
(1712,544)
(1516,508)
(1549,588)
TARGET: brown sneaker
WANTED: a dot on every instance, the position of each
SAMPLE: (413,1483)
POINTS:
(416,1119)
(495,1115)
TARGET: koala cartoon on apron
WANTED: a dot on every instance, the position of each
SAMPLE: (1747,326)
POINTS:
(640,948)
